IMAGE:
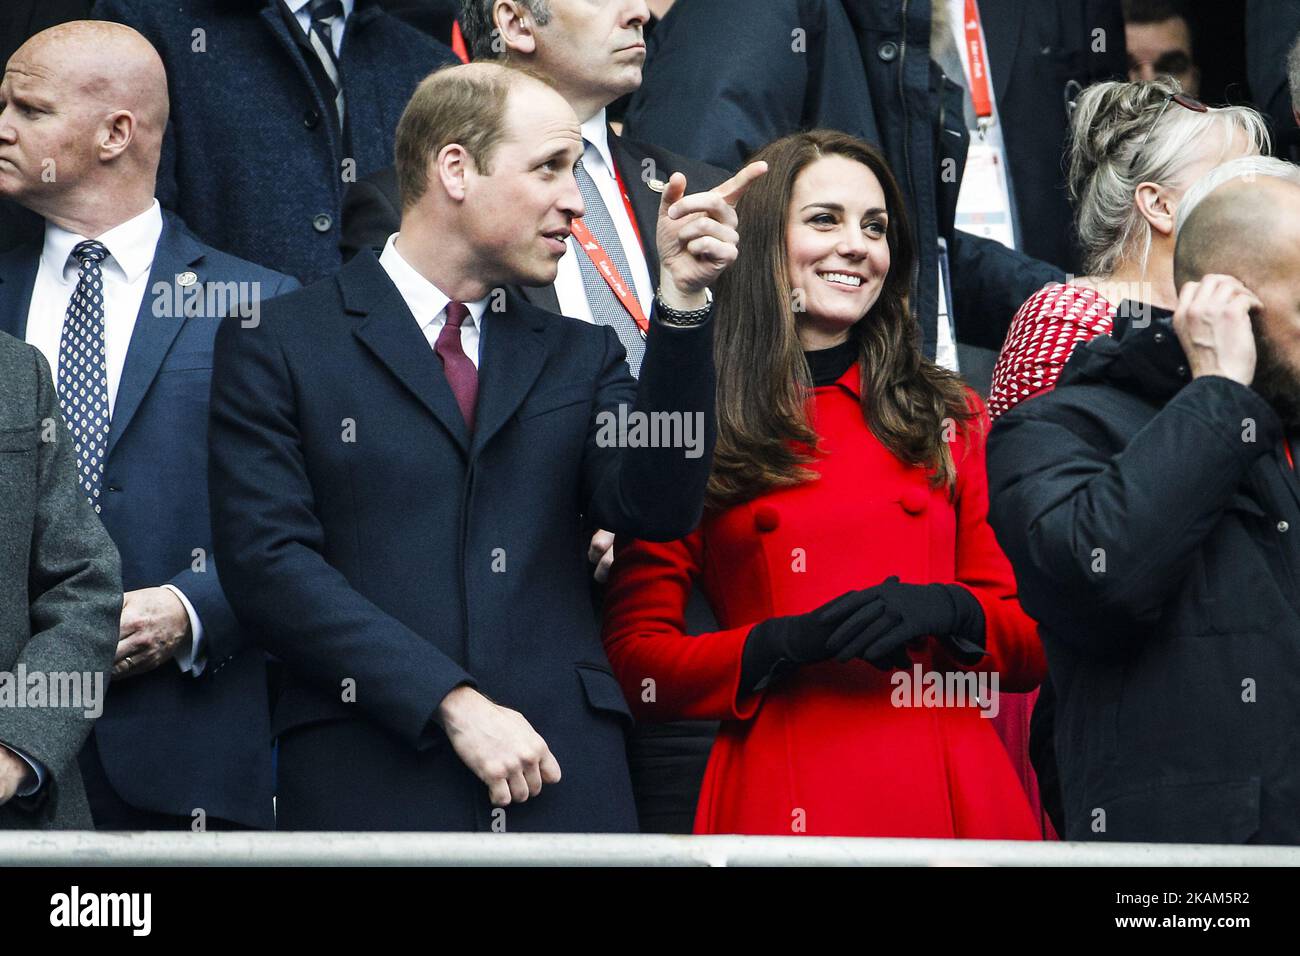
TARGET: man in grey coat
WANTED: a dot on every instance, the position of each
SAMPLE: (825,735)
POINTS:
(60,598)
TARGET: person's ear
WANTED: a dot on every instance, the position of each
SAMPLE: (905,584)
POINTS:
(514,28)
(1156,205)
(115,135)
(452,167)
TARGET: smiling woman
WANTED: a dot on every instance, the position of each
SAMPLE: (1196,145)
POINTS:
(838,247)
(846,538)
(842,274)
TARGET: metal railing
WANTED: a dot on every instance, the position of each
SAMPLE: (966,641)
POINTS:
(156,848)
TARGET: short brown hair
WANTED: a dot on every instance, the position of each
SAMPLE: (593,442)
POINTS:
(462,104)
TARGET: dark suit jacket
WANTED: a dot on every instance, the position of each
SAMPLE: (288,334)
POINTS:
(372,207)
(250,160)
(386,556)
(171,742)
(60,586)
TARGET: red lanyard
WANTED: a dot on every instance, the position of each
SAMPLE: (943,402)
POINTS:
(627,204)
(458,42)
(978,63)
(608,271)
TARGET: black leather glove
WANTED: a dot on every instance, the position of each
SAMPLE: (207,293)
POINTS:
(780,642)
(894,614)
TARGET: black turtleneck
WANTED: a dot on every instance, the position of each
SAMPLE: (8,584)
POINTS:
(827,365)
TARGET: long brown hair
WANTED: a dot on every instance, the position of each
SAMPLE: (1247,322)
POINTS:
(764,435)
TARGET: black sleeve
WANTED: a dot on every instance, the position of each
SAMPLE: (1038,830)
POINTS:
(656,494)
(1099,536)
(989,285)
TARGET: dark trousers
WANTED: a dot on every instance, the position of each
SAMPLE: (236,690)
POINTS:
(667,761)
(667,764)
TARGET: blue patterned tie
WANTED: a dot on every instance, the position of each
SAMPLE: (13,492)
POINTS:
(605,307)
(83,374)
(323,13)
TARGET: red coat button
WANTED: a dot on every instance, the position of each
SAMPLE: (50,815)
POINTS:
(915,500)
(766,518)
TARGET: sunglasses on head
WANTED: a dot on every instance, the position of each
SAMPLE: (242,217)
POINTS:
(1183,100)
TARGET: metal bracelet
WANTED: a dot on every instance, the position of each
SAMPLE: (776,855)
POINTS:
(678,319)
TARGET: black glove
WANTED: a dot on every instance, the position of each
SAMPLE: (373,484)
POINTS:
(894,614)
(780,642)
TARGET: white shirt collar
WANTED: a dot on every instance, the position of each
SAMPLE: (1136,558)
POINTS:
(425,300)
(596,132)
(296,5)
(131,245)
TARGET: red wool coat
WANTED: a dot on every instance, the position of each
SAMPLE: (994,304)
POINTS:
(822,750)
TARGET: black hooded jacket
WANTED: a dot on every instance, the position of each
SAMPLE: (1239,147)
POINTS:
(1153,522)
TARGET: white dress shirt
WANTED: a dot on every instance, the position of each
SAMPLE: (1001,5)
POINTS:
(131,248)
(428,303)
(599,163)
(299,10)
(126,275)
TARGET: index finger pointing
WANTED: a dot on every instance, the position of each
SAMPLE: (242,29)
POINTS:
(735,187)
(673,191)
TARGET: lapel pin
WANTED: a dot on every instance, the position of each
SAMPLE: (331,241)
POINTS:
(186,278)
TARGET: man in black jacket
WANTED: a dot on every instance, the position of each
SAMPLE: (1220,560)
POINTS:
(1150,507)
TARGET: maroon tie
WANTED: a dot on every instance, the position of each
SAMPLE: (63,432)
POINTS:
(461,374)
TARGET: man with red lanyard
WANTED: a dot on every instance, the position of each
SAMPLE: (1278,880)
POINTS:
(604,277)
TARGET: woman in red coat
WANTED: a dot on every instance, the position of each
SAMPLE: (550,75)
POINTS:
(869,619)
